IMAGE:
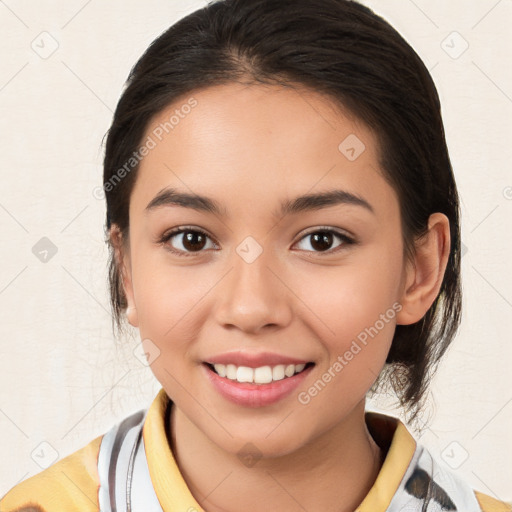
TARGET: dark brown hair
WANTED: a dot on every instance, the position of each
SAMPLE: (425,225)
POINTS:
(344,50)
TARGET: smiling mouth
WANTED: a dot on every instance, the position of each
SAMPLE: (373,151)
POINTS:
(260,375)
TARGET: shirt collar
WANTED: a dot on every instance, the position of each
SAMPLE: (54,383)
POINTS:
(173,493)
(394,438)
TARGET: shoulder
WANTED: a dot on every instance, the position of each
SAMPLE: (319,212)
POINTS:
(488,504)
(70,484)
(411,475)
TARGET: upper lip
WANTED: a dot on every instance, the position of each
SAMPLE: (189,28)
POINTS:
(254,360)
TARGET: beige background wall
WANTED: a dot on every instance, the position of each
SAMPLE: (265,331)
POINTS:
(63,378)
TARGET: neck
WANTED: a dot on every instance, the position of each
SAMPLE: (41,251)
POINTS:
(333,472)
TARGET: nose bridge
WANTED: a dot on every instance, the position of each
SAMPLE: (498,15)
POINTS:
(252,296)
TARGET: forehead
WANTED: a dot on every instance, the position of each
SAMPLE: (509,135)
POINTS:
(231,140)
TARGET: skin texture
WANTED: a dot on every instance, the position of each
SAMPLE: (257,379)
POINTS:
(249,148)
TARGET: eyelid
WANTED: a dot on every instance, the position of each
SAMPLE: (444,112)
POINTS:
(329,229)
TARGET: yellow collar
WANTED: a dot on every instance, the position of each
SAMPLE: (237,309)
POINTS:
(174,494)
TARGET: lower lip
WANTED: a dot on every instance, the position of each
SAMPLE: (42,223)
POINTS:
(255,395)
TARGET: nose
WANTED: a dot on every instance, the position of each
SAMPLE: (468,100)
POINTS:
(253,296)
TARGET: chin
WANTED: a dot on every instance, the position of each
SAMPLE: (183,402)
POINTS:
(263,443)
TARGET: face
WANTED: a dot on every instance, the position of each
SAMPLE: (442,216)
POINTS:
(256,280)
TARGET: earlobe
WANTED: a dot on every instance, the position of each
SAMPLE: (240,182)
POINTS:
(131,316)
(424,276)
(122,256)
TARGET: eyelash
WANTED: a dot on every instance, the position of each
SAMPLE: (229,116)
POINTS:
(168,235)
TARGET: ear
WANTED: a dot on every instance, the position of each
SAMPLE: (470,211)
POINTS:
(123,262)
(424,276)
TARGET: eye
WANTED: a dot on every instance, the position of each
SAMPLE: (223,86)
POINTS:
(187,241)
(322,239)
(192,240)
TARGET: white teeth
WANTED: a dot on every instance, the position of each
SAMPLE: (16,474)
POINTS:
(278,372)
(289,370)
(245,374)
(231,371)
(260,375)
(263,375)
(220,369)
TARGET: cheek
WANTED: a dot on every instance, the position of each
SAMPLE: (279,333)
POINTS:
(168,304)
(351,298)
(355,308)
(167,299)
(358,317)
(167,296)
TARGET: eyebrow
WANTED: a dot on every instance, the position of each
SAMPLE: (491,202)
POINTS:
(308,202)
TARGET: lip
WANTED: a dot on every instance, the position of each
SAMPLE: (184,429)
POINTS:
(255,395)
(254,360)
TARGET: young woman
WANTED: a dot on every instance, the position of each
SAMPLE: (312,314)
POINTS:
(284,232)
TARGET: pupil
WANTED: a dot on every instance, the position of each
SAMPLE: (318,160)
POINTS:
(321,241)
(190,241)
